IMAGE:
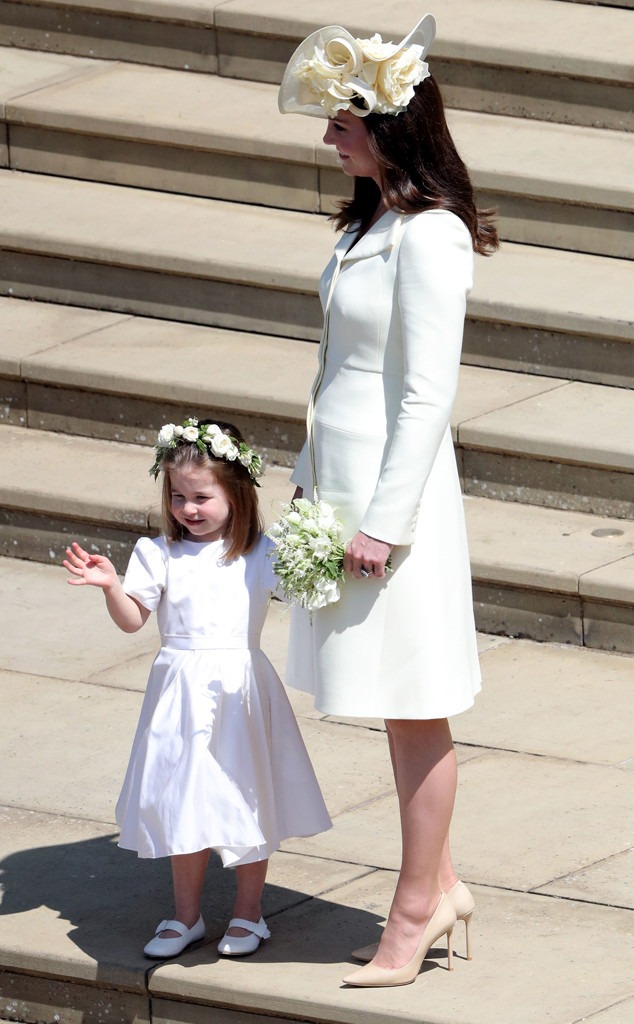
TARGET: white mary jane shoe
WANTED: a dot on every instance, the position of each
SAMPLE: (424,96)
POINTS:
(165,949)
(241,945)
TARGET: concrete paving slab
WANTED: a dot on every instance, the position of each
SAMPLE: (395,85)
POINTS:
(615,580)
(544,160)
(80,732)
(555,701)
(610,881)
(22,74)
(541,547)
(57,875)
(166,106)
(298,975)
(550,817)
(481,392)
(619,1012)
(61,632)
(136,357)
(140,32)
(576,422)
(467,30)
(94,477)
(30,327)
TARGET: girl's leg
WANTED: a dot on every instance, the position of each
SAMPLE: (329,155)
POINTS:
(447,876)
(188,875)
(425,773)
(248,905)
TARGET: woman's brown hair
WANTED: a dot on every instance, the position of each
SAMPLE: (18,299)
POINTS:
(420,169)
(245,522)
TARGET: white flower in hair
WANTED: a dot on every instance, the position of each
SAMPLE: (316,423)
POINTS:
(166,435)
(210,438)
(221,444)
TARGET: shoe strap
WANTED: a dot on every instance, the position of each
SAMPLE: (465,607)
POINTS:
(258,929)
(172,926)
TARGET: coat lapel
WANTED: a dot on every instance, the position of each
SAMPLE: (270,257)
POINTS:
(381,236)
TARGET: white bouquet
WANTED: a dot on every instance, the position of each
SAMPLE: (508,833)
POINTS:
(309,553)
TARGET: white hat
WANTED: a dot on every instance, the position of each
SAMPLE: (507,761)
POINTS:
(331,71)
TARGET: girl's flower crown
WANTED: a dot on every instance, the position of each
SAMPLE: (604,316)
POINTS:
(209,439)
(331,71)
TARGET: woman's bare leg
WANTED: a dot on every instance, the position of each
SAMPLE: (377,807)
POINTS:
(447,876)
(248,904)
(425,773)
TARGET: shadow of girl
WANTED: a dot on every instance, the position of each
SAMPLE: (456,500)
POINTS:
(112,902)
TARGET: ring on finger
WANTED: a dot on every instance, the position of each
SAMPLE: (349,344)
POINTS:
(366,572)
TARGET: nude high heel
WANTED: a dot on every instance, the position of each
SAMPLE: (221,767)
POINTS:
(463,904)
(441,922)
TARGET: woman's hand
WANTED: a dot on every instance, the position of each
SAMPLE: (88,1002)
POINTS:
(366,556)
(89,570)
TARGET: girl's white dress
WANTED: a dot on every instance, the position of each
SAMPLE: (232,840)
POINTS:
(217,760)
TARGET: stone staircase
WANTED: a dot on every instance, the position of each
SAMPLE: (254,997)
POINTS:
(161,237)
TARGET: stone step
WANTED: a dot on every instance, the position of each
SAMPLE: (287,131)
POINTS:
(256,269)
(555,185)
(555,61)
(532,439)
(552,725)
(540,573)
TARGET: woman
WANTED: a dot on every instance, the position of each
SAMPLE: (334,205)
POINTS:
(401,646)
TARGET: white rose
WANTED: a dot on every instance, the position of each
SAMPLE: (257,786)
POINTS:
(303,504)
(166,435)
(293,518)
(232,453)
(320,546)
(397,77)
(375,48)
(179,431)
(190,434)
(329,590)
(212,429)
(316,601)
(246,458)
(220,445)
(326,515)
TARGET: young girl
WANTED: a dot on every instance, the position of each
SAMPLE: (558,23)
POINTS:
(217,761)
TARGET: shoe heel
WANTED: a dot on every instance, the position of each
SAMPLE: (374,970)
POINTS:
(450,950)
(467,928)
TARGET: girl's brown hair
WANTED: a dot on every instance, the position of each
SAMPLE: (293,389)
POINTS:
(245,522)
(420,169)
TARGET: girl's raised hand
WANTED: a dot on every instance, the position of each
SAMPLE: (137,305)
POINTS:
(89,570)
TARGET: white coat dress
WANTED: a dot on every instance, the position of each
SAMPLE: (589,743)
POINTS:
(389,358)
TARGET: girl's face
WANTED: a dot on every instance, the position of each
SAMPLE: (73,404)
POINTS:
(349,135)
(199,502)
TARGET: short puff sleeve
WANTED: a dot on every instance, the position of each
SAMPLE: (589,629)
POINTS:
(146,575)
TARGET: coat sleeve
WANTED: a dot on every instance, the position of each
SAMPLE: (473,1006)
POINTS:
(433,277)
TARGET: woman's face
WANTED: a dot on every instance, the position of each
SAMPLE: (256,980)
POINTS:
(349,135)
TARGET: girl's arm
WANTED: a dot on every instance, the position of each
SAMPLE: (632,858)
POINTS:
(98,571)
